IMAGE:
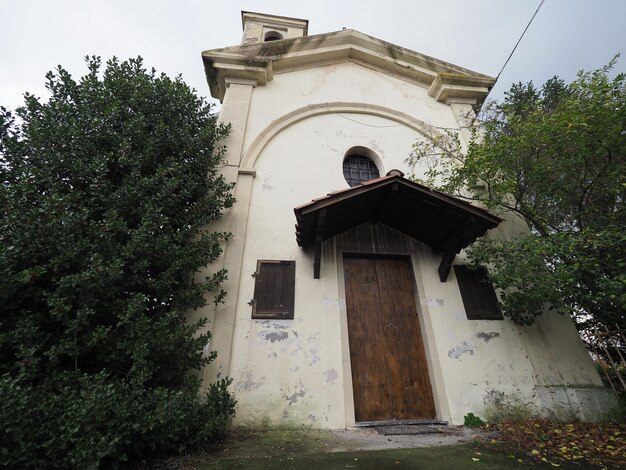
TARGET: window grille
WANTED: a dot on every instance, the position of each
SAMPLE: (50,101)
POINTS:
(358,169)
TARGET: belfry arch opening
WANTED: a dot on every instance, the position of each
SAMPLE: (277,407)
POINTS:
(272,36)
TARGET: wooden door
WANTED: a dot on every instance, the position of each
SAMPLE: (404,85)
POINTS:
(389,370)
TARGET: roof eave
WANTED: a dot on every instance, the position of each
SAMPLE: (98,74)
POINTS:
(453,224)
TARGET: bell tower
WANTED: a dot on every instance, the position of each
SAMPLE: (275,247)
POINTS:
(259,27)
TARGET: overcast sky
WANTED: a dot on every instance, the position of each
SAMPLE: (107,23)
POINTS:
(567,35)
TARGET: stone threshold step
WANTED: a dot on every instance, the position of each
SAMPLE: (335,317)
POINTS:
(414,429)
(402,422)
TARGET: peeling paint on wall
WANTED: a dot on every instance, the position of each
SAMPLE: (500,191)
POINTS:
(277,336)
(248,382)
(293,398)
(464,347)
(486,337)
(314,357)
(331,375)
(296,351)
(271,324)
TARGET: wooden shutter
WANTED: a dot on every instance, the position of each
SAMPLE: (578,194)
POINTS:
(274,289)
(479,298)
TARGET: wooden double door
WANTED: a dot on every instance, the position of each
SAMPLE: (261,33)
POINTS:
(389,369)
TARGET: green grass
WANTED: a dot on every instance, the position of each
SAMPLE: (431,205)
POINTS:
(435,458)
(312,449)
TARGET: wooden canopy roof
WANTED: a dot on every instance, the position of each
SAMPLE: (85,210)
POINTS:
(443,222)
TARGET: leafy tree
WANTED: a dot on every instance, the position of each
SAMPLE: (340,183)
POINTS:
(106,191)
(556,158)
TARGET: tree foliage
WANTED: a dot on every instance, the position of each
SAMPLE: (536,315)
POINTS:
(106,188)
(556,158)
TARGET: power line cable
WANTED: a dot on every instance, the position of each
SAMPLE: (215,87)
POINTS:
(517,43)
(509,57)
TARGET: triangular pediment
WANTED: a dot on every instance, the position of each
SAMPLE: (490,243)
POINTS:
(259,62)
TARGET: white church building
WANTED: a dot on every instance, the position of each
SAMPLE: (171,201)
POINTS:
(348,296)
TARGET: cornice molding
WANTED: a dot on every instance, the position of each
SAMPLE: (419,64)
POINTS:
(260,62)
(275,19)
(448,87)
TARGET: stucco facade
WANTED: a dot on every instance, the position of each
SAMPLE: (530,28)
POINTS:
(296,106)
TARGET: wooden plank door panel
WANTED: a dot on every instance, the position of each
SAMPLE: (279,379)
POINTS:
(372,397)
(406,358)
(389,369)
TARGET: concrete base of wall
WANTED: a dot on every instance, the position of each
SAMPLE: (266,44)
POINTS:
(584,403)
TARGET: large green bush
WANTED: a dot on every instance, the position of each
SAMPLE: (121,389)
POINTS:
(97,421)
(107,189)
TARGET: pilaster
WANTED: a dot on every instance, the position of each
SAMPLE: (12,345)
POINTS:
(463,111)
(235,109)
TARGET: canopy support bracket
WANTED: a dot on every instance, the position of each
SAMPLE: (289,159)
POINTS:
(446,263)
(317,250)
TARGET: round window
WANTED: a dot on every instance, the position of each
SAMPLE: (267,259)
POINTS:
(358,168)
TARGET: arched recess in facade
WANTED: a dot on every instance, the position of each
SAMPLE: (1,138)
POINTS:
(224,324)
(248,162)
